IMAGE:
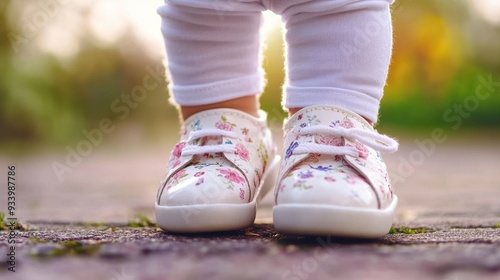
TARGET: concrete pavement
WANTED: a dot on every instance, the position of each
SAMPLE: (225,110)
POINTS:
(453,191)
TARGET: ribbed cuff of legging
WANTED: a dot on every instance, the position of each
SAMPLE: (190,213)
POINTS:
(194,95)
(360,103)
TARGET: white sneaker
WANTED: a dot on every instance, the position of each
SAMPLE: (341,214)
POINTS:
(215,175)
(332,179)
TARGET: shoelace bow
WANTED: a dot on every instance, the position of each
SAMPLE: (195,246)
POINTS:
(379,142)
(209,132)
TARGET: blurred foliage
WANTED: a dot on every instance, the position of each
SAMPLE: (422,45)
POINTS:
(438,60)
(46,99)
(441,49)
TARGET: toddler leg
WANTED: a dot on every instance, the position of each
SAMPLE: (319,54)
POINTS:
(333,180)
(213,54)
(216,173)
(338,53)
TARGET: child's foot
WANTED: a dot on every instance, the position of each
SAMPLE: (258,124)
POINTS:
(215,175)
(332,179)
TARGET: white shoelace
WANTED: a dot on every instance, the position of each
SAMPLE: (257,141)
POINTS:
(372,139)
(211,132)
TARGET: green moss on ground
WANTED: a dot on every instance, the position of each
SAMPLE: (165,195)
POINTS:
(406,230)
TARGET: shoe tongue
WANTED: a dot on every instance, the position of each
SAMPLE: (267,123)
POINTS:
(210,119)
(326,115)
(223,119)
(211,140)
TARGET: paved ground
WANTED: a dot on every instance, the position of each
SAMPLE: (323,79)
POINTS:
(453,192)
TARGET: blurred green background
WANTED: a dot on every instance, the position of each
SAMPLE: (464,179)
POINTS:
(64,64)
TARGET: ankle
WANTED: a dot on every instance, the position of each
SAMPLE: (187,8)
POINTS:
(247,104)
(292,111)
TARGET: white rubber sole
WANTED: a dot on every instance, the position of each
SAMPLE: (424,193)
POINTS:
(215,217)
(307,219)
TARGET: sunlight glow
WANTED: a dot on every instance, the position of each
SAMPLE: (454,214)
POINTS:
(271,22)
(108,21)
(51,42)
(488,9)
(60,33)
(145,24)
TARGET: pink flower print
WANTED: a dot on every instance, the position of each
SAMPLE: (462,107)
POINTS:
(331,140)
(381,188)
(176,164)
(231,175)
(199,173)
(200,181)
(300,117)
(282,188)
(330,179)
(223,124)
(177,152)
(351,178)
(362,150)
(242,152)
(242,194)
(179,174)
(346,123)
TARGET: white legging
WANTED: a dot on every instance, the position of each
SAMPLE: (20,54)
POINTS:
(337,51)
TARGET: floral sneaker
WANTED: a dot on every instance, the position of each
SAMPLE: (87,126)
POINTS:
(333,180)
(215,175)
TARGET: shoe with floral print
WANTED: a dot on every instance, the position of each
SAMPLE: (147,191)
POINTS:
(332,180)
(216,173)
